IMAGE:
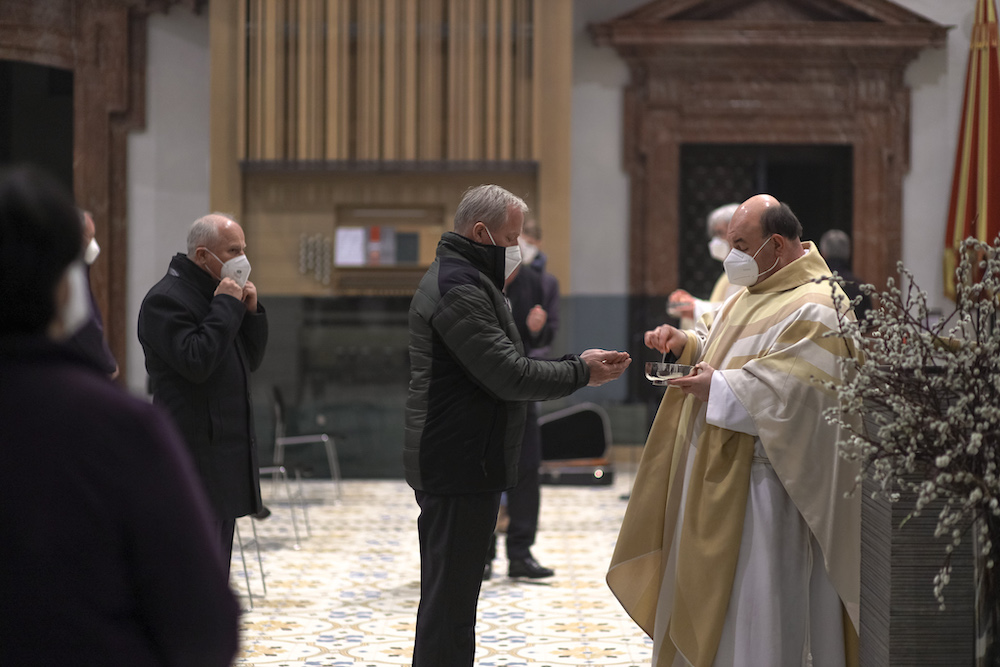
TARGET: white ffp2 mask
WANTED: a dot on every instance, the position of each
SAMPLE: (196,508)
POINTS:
(511,257)
(91,252)
(741,269)
(718,248)
(75,310)
(237,268)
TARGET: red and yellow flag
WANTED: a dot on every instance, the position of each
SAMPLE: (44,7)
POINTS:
(976,179)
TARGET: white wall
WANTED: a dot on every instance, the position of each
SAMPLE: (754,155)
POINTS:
(168,162)
(937,81)
(600,187)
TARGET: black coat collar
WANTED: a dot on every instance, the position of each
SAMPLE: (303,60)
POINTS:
(489,259)
(182,267)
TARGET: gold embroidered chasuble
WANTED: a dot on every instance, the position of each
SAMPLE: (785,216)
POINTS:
(773,333)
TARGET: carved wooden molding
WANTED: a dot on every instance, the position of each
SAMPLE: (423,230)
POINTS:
(103,42)
(769,72)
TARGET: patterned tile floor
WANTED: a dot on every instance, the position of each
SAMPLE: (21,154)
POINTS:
(348,596)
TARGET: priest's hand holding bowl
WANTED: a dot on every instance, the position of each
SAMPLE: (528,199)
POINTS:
(698,383)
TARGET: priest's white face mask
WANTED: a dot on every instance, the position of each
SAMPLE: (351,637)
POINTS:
(741,268)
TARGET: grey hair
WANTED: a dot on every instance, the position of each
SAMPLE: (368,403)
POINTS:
(488,204)
(721,215)
(204,231)
(835,244)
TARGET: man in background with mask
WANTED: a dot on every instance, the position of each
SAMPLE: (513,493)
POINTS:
(90,339)
(469,380)
(107,552)
(739,546)
(203,332)
(689,308)
(533,293)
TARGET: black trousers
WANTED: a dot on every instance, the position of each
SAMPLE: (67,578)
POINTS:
(524,499)
(455,533)
(225,529)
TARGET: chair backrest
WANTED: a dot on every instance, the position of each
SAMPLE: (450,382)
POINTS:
(579,432)
(279,412)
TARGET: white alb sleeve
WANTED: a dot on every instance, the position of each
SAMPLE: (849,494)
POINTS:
(725,409)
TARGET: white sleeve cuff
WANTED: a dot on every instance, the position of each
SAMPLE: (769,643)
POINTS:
(725,409)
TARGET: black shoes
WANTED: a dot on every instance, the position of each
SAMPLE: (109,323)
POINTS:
(263,513)
(528,567)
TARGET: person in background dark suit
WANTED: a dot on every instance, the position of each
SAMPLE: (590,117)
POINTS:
(835,247)
(107,555)
(203,333)
(534,302)
(90,339)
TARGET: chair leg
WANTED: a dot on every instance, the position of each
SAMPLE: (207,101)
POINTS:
(260,561)
(279,459)
(291,506)
(331,457)
(302,501)
(246,571)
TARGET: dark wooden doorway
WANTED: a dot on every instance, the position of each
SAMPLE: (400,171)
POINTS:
(36,118)
(816,181)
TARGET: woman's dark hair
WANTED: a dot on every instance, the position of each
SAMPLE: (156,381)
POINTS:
(780,220)
(40,235)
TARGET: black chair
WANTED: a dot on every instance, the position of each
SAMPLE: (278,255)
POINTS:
(575,446)
(281,440)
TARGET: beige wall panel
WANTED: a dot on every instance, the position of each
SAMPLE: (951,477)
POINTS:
(490,82)
(390,81)
(522,82)
(255,79)
(308,85)
(506,134)
(554,70)
(363,74)
(473,102)
(282,207)
(336,115)
(289,80)
(273,92)
(454,85)
(409,57)
(431,118)
(226,21)
(234,30)
(274,246)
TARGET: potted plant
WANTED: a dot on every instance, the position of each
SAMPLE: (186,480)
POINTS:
(927,391)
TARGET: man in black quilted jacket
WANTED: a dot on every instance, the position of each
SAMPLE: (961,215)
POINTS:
(469,381)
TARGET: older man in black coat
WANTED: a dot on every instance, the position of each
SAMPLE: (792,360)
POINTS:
(203,333)
(107,555)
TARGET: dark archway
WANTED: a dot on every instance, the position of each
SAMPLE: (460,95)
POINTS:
(36,117)
(103,44)
(772,72)
(814,179)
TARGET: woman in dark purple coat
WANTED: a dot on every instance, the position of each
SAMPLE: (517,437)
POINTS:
(106,551)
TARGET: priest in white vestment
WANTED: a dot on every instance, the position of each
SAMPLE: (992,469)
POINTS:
(741,543)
